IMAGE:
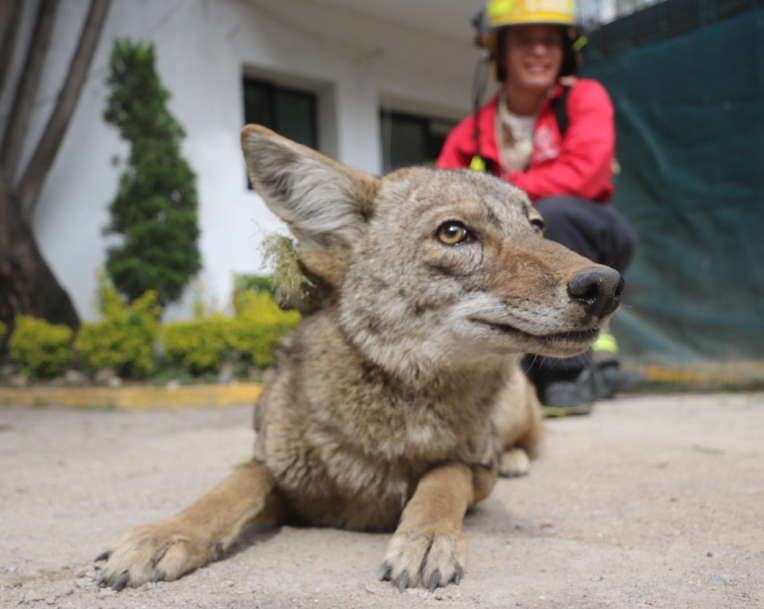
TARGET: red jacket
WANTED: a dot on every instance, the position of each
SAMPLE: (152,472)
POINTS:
(579,164)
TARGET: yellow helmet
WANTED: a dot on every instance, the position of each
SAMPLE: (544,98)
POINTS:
(499,14)
(502,13)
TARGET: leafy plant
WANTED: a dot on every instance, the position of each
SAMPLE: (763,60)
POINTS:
(39,348)
(125,336)
(155,210)
(258,326)
(199,345)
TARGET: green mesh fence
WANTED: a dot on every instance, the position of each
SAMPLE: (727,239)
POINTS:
(690,126)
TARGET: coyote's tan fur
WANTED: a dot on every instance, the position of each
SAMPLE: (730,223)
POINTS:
(395,406)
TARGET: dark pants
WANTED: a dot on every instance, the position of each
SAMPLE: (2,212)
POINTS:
(597,232)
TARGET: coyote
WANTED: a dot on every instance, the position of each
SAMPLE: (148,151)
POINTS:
(396,405)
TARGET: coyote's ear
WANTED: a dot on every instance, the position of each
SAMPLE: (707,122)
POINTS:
(324,202)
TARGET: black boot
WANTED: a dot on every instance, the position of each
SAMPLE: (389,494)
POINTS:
(569,395)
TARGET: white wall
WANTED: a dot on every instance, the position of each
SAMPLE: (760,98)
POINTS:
(203,47)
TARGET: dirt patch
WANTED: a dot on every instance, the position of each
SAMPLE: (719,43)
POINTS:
(650,501)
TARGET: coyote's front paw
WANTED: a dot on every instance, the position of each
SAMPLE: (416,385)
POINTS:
(156,552)
(425,555)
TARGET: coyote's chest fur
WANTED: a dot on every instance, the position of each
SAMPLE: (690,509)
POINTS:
(354,433)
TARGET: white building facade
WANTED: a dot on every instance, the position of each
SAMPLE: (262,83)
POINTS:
(358,59)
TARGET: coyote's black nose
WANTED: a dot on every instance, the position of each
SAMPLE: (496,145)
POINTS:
(598,290)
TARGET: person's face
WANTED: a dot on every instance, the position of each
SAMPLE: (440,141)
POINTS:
(533,56)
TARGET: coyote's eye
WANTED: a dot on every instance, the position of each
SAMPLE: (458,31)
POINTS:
(538,226)
(453,233)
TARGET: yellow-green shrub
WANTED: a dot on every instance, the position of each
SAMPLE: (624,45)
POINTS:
(125,336)
(200,344)
(260,323)
(39,348)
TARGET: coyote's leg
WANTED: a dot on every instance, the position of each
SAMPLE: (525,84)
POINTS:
(428,546)
(521,428)
(169,548)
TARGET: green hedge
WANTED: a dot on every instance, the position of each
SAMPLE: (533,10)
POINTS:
(201,345)
(130,339)
(258,326)
(40,349)
(124,338)
(198,345)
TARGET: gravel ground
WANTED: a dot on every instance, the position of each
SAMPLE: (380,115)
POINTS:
(652,501)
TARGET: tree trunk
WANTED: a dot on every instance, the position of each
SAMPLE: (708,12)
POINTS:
(42,159)
(27,285)
(24,97)
(10,17)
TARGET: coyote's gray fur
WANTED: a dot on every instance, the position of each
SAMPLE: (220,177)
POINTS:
(398,402)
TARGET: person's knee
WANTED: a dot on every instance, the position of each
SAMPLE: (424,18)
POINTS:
(623,242)
(559,215)
(555,209)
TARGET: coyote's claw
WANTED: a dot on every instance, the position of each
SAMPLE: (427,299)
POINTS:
(404,583)
(384,572)
(121,582)
(458,575)
(103,556)
(434,581)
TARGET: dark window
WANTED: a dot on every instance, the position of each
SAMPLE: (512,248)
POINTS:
(288,112)
(409,139)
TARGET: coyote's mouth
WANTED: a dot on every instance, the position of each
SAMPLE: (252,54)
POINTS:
(573,337)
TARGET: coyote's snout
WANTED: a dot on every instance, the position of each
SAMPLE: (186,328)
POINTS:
(395,406)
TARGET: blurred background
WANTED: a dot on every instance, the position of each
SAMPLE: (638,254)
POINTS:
(378,85)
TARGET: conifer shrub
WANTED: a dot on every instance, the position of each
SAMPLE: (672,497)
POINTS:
(40,349)
(155,209)
(125,336)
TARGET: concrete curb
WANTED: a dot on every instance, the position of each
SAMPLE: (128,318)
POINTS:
(221,396)
(738,373)
(133,398)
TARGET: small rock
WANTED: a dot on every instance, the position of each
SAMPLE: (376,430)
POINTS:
(102,377)
(114,381)
(226,373)
(7,371)
(18,380)
(75,378)
(172,384)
